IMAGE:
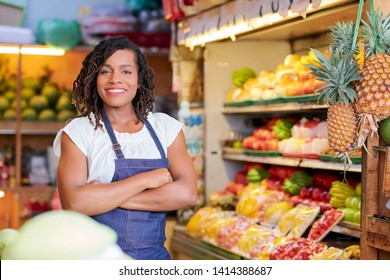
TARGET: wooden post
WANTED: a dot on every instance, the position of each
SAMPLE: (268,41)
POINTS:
(375,232)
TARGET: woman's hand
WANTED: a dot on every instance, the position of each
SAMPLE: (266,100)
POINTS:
(156,178)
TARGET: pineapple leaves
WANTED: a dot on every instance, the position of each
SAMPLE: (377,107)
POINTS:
(338,72)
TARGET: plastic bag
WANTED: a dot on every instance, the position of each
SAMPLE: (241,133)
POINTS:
(59,33)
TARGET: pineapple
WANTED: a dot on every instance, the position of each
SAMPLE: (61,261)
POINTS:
(373,91)
(339,72)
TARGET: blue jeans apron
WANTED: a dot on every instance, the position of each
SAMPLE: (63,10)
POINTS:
(141,234)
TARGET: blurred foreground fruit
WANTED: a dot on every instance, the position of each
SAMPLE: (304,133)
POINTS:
(64,235)
(7,237)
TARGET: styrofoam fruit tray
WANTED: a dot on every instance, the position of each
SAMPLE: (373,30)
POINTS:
(326,225)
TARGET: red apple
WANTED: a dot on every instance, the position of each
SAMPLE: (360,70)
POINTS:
(247,143)
(325,196)
(316,194)
(305,193)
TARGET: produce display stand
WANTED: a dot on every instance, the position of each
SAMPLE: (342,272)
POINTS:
(185,246)
(374,165)
(375,224)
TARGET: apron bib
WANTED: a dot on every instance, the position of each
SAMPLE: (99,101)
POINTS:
(141,234)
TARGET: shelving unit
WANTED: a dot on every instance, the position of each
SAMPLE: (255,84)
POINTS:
(260,49)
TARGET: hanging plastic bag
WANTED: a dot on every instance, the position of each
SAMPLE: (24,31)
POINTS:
(59,33)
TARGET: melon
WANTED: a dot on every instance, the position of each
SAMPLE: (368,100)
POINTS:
(27,93)
(39,103)
(4,103)
(51,92)
(384,130)
(29,114)
(9,114)
(64,102)
(64,235)
(7,237)
(65,115)
(47,115)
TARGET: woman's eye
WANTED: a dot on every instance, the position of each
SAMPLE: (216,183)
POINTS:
(126,71)
(104,72)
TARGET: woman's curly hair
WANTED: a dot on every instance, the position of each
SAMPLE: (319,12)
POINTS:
(85,96)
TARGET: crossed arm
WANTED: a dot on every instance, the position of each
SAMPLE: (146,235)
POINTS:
(156,190)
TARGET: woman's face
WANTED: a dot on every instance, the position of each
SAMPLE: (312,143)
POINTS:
(117,80)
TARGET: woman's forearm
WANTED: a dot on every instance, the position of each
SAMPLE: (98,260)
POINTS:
(96,198)
(169,197)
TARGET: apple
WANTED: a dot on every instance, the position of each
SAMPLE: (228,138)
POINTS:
(325,196)
(356,217)
(305,192)
(356,202)
(349,214)
(316,194)
(358,189)
(237,144)
(348,201)
(247,143)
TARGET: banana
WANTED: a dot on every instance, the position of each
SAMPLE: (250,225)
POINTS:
(339,195)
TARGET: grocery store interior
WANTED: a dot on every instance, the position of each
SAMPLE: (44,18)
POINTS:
(292,155)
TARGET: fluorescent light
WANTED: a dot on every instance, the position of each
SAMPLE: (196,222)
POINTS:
(31,50)
(42,51)
(9,50)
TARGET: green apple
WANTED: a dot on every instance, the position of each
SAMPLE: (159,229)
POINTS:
(356,202)
(359,189)
(349,214)
(348,201)
(237,144)
(356,218)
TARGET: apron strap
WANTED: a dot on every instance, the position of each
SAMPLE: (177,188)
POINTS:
(115,145)
(155,138)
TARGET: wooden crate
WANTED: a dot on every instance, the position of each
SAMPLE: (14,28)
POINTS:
(375,221)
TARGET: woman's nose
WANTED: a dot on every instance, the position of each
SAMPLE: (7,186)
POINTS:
(114,78)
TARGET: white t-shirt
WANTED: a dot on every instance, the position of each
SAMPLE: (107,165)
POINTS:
(97,146)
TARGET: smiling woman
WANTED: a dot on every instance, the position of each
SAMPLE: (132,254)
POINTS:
(120,163)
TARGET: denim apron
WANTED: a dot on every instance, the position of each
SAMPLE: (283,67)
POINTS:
(141,234)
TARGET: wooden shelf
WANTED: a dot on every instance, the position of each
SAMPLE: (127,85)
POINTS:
(290,107)
(31,128)
(294,162)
